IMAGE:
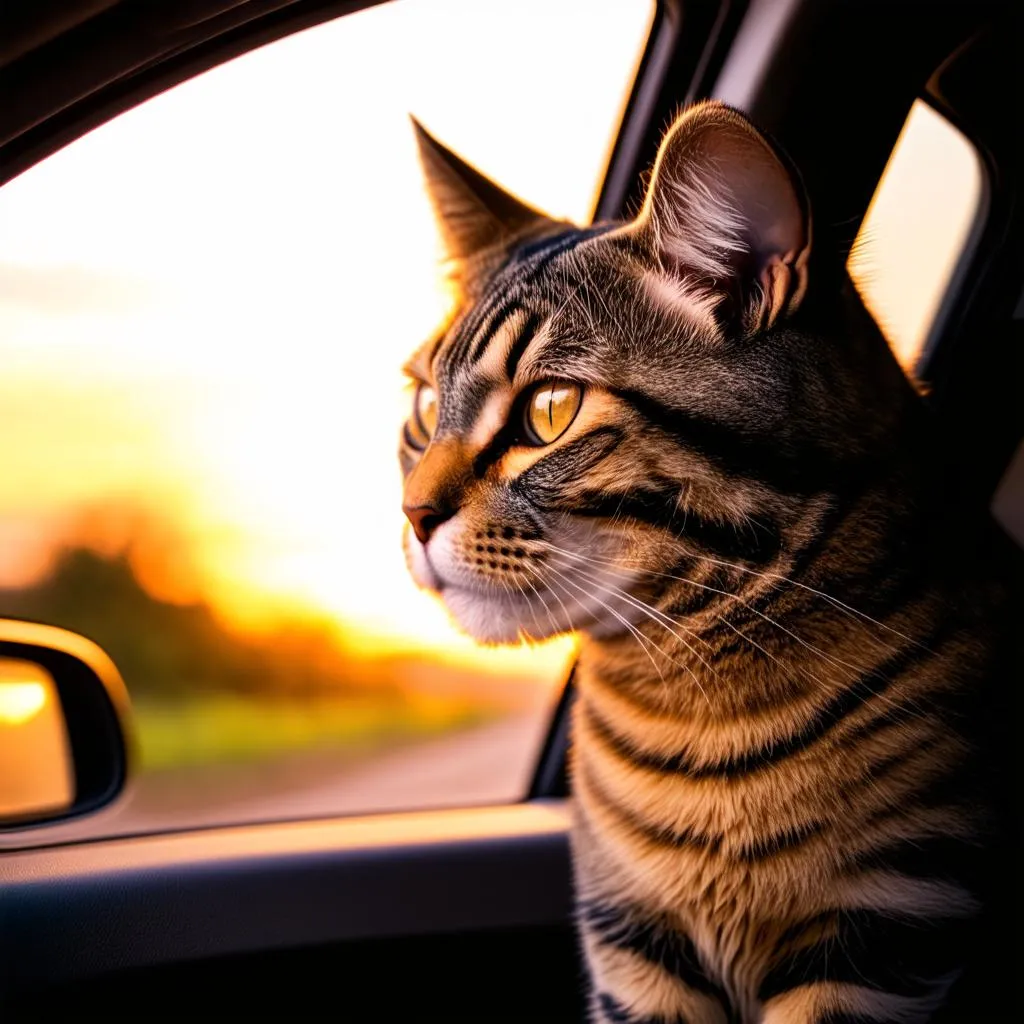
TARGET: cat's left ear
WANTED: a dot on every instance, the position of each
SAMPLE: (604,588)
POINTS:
(725,214)
(473,214)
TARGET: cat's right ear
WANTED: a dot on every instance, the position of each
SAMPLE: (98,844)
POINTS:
(474,214)
(725,215)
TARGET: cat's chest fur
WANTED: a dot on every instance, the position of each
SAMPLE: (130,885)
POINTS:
(703,869)
(730,846)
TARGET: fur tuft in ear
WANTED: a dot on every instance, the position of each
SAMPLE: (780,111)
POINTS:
(724,212)
(473,213)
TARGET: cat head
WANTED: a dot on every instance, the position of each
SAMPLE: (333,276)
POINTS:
(620,404)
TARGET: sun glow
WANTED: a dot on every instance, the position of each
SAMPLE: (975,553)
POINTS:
(205,304)
(36,773)
(20,701)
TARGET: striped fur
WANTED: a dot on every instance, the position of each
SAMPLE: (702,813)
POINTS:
(781,813)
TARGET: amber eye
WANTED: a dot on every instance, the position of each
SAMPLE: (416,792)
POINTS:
(550,410)
(426,409)
(420,428)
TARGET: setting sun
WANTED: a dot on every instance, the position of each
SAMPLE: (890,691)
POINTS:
(35,754)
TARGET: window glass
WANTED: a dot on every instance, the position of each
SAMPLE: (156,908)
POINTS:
(917,230)
(204,308)
(1008,503)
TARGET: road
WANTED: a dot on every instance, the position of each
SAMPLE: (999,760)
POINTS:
(488,764)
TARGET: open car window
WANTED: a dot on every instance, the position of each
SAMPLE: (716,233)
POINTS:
(204,308)
(919,232)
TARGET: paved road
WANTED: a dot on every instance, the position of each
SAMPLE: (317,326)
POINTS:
(488,764)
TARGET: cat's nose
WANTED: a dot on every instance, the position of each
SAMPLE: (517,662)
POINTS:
(426,519)
(435,488)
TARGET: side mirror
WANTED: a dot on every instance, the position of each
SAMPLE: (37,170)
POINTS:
(64,716)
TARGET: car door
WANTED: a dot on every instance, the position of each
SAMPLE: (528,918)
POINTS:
(396,846)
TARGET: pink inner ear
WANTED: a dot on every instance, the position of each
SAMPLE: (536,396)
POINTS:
(762,190)
(722,206)
(775,284)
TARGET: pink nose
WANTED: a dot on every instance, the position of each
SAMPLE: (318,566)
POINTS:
(425,519)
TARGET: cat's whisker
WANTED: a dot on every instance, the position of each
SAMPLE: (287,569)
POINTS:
(540,597)
(533,611)
(838,662)
(855,672)
(565,610)
(638,636)
(643,641)
(633,629)
(802,671)
(650,609)
(772,578)
(508,594)
(651,612)
(767,653)
(779,578)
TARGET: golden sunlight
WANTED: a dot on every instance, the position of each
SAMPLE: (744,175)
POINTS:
(205,304)
(36,773)
(20,701)
(917,229)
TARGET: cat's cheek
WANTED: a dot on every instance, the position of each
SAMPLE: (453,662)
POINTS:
(419,565)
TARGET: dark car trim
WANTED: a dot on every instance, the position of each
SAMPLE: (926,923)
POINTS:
(90,908)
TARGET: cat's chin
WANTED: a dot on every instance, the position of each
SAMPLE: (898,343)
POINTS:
(490,620)
(499,620)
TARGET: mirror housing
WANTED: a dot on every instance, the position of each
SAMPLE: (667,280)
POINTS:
(64,725)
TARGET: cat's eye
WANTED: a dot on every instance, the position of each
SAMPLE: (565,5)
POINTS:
(423,421)
(551,409)
(426,409)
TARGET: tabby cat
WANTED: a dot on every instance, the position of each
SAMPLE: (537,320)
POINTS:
(638,432)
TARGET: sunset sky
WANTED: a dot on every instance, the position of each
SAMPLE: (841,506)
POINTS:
(204,305)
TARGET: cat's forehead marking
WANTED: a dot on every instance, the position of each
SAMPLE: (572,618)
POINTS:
(482,358)
(475,396)
(502,347)
(490,418)
(514,290)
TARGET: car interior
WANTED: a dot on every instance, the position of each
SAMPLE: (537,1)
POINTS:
(465,913)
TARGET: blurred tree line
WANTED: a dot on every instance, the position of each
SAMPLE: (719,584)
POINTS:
(163,649)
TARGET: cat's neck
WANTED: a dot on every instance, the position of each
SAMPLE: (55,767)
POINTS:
(725,640)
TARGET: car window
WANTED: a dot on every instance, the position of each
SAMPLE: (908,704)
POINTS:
(1008,502)
(204,308)
(918,231)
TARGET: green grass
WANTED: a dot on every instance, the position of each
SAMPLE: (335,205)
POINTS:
(218,728)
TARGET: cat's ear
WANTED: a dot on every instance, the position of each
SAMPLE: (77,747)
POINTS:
(473,213)
(724,212)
